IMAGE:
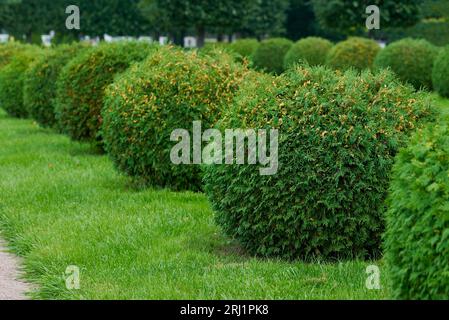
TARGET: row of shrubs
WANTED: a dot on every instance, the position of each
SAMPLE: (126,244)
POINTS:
(417,62)
(340,132)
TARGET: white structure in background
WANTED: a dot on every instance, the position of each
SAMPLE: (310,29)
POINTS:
(382,43)
(94,41)
(47,38)
(190,42)
(4,38)
(163,41)
(210,40)
(145,39)
(109,38)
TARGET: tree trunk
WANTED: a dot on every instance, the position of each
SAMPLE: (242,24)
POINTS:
(201,34)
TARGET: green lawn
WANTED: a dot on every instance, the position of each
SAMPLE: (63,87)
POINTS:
(61,204)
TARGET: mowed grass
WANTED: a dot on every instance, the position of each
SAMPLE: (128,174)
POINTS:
(61,204)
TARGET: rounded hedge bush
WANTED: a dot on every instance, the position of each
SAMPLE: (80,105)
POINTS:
(168,91)
(270,54)
(440,73)
(245,47)
(338,135)
(357,53)
(40,82)
(412,60)
(213,47)
(80,87)
(416,240)
(312,50)
(12,78)
(7,52)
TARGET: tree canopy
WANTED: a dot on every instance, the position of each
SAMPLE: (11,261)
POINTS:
(251,17)
(28,17)
(349,16)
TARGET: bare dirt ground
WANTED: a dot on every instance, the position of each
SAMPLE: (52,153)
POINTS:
(11,288)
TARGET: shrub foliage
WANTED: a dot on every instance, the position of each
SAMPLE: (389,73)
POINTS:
(12,79)
(440,73)
(416,241)
(40,82)
(166,92)
(7,52)
(311,50)
(270,54)
(412,60)
(245,47)
(357,53)
(338,135)
(80,87)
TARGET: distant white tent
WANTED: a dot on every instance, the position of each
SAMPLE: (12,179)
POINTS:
(163,41)
(47,38)
(4,38)
(109,38)
(190,42)
(145,39)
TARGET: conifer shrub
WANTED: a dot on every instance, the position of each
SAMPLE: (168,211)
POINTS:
(312,50)
(416,240)
(245,47)
(412,60)
(81,85)
(168,91)
(338,136)
(357,53)
(212,47)
(40,82)
(270,54)
(7,52)
(440,73)
(12,78)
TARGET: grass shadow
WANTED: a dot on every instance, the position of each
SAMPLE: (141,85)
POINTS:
(220,246)
(78,149)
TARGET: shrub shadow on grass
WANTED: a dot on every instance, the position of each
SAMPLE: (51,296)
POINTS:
(34,130)
(220,246)
(84,149)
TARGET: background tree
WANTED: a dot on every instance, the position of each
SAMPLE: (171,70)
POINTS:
(31,18)
(27,17)
(349,16)
(266,18)
(301,23)
(252,17)
(433,25)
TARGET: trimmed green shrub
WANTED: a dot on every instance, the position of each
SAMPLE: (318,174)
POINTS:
(338,135)
(7,52)
(12,79)
(270,54)
(440,73)
(412,60)
(245,47)
(416,240)
(311,50)
(212,47)
(357,53)
(80,87)
(166,92)
(40,82)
